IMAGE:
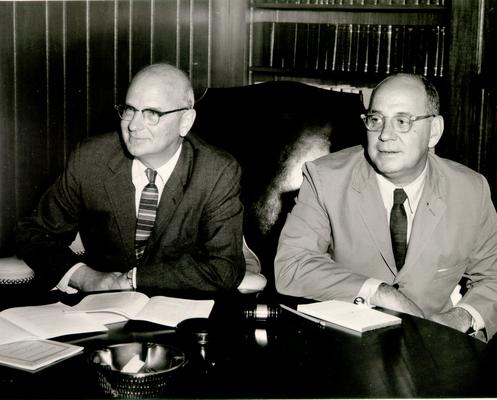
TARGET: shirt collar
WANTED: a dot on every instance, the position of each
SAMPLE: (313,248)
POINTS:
(163,172)
(413,189)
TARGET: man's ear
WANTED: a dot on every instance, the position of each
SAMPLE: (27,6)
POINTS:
(186,122)
(437,128)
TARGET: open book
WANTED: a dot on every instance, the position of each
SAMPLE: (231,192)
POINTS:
(161,310)
(359,318)
(43,322)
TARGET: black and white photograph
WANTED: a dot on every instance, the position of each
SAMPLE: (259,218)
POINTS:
(248,199)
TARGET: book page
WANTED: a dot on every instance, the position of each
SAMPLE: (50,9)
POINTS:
(51,320)
(171,311)
(124,303)
(365,319)
(9,332)
(357,317)
(32,355)
(107,318)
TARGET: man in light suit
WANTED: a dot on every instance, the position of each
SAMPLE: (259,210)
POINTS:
(338,242)
(195,242)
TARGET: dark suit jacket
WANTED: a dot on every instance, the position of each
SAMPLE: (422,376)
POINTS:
(197,239)
(337,236)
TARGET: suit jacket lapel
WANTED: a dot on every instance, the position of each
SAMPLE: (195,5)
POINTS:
(173,191)
(373,212)
(121,192)
(430,209)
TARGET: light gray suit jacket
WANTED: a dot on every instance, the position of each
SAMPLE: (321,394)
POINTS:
(337,236)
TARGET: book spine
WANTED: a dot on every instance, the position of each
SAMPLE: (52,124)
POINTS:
(273,38)
(421,51)
(268,44)
(436,50)
(343,47)
(349,48)
(301,45)
(441,52)
(387,37)
(411,50)
(282,45)
(404,50)
(377,47)
(334,48)
(313,47)
(396,53)
(365,43)
(324,36)
(291,45)
(283,52)
(356,48)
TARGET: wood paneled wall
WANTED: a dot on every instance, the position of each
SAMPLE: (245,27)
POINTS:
(471,126)
(64,64)
(486,97)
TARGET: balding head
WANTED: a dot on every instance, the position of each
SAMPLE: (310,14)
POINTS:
(170,79)
(432,99)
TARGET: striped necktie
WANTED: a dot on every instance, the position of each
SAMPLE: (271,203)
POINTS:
(398,227)
(146,213)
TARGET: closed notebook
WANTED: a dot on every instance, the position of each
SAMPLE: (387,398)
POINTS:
(359,318)
(33,355)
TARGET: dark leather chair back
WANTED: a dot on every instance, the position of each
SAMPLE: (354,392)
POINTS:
(272,128)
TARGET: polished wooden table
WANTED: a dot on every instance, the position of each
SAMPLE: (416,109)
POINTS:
(285,356)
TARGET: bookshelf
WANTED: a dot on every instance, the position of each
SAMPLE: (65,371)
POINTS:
(343,41)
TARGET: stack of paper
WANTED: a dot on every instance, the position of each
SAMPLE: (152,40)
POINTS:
(359,318)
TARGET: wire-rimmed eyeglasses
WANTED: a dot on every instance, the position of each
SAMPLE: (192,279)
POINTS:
(401,122)
(151,117)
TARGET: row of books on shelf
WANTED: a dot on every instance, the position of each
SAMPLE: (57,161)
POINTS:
(362,48)
(422,3)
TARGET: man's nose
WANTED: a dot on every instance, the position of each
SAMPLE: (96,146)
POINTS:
(387,132)
(136,122)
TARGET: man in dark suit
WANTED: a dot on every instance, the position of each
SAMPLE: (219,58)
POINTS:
(157,209)
(394,225)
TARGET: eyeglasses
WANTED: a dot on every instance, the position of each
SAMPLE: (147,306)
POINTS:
(401,122)
(151,117)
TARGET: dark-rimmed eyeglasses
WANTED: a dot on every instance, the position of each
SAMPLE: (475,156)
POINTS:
(151,117)
(401,122)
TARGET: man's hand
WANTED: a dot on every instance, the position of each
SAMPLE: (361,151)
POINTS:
(457,318)
(390,298)
(87,279)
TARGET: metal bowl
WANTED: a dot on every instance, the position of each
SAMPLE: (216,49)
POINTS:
(133,370)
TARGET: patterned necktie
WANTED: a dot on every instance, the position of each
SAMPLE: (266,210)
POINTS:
(398,227)
(146,213)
